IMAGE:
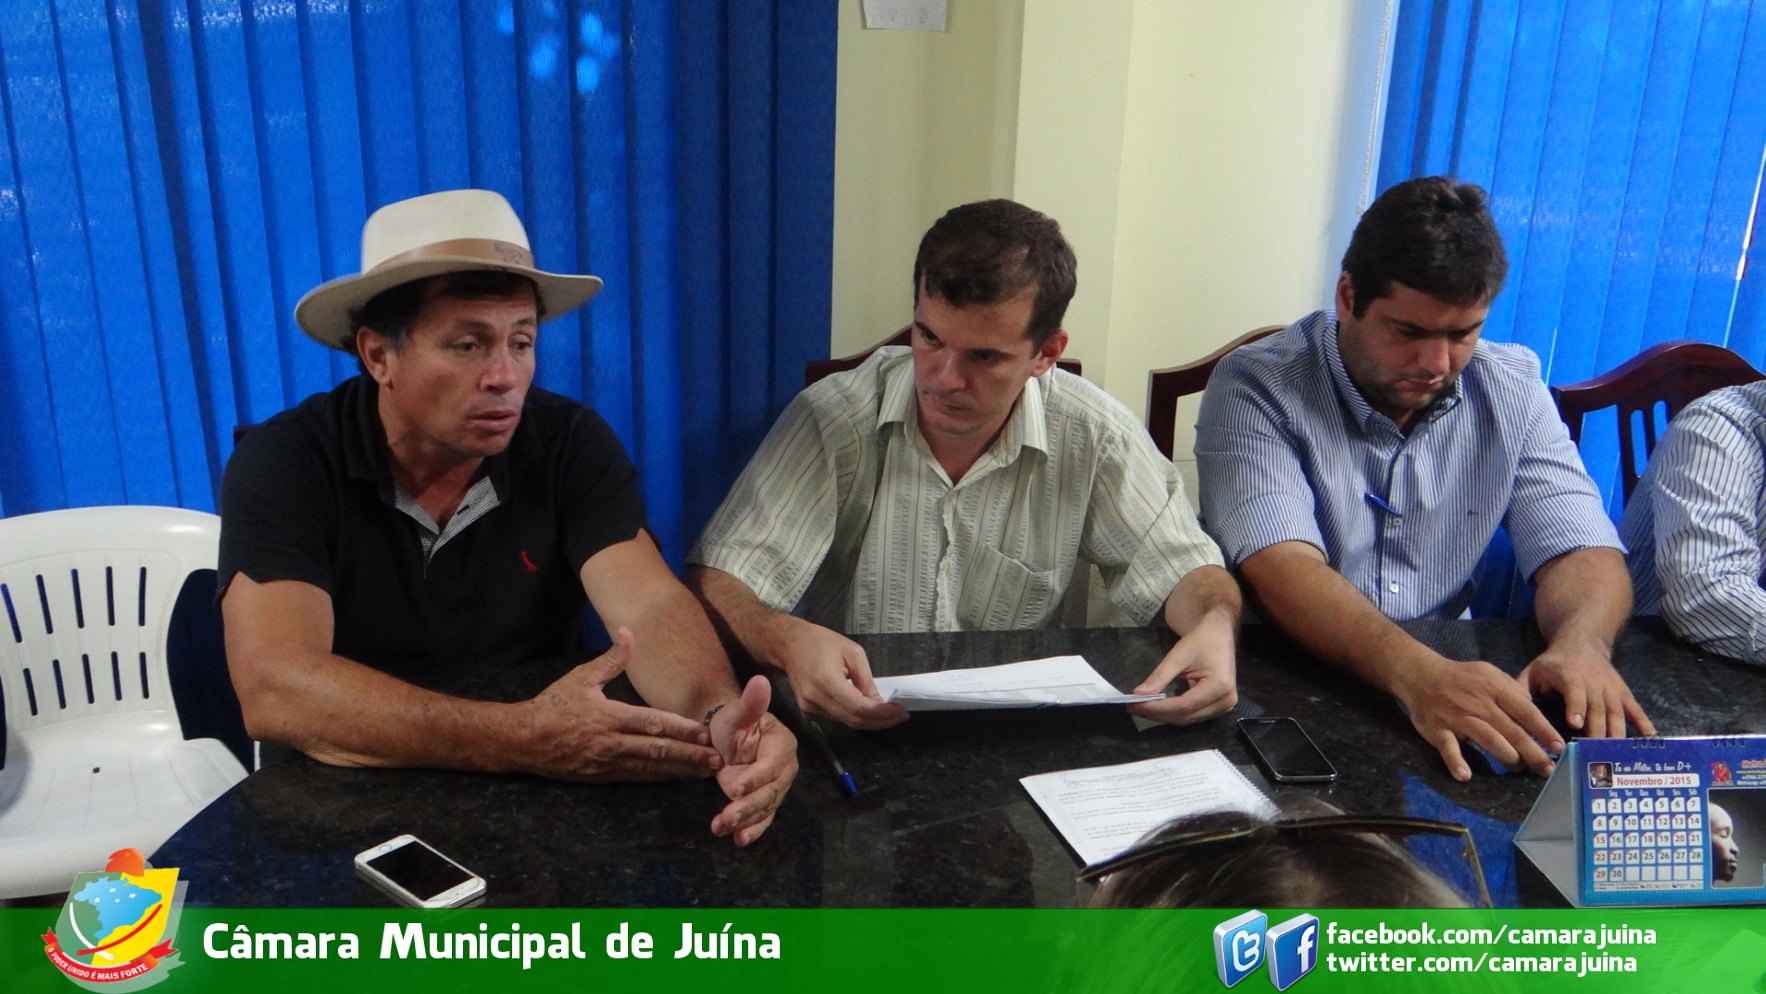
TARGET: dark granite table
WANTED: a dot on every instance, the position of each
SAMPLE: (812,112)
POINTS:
(941,819)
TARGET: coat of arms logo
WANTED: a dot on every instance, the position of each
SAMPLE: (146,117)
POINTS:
(115,933)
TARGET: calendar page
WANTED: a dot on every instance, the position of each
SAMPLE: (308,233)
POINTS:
(1670,820)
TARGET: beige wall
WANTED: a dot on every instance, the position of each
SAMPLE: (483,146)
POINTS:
(1072,95)
(924,120)
(1206,159)
(1234,173)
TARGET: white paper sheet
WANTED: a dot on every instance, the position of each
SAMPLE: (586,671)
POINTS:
(1103,810)
(1059,680)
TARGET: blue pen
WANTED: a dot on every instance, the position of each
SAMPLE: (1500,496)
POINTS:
(819,739)
(1379,502)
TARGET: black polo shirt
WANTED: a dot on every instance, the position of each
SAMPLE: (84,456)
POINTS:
(307,496)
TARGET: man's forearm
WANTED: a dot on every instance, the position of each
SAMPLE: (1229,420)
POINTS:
(1583,599)
(1447,701)
(1725,615)
(293,690)
(1204,592)
(1317,607)
(829,673)
(744,616)
(680,665)
(346,714)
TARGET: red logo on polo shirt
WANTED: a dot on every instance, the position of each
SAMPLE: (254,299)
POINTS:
(531,568)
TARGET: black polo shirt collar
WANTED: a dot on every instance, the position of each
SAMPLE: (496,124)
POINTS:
(365,450)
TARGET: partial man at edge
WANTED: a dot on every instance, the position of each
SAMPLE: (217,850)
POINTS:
(954,484)
(438,516)
(1696,524)
(1355,466)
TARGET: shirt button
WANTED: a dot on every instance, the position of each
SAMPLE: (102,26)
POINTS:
(1392,587)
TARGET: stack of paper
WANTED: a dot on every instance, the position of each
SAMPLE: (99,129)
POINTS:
(1062,680)
(1104,810)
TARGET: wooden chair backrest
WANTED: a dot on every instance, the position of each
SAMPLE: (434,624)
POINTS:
(1166,386)
(1672,374)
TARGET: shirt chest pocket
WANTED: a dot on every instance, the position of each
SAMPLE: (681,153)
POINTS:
(1003,594)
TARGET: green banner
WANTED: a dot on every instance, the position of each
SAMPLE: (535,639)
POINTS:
(1699,951)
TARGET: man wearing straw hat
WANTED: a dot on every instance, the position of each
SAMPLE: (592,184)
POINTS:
(438,516)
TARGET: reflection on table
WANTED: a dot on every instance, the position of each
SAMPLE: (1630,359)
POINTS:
(940,820)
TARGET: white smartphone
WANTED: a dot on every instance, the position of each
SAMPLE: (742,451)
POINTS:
(411,872)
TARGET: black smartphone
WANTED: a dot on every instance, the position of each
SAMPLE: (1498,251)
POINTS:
(1285,751)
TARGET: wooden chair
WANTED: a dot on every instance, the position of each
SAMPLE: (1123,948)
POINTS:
(1672,374)
(816,369)
(1166,386)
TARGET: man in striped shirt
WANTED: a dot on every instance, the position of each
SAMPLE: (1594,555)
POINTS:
(953,485)
(1696,525)
(1355,466)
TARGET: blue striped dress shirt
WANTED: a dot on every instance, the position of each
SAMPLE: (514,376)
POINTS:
(1287,449)
(1696,525)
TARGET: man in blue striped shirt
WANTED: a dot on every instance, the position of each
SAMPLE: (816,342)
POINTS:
(1355,466)
(1696,525)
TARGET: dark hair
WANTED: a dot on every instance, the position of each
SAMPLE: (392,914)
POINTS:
(1323,867)
(1432,234)
(986,252)
(394,312)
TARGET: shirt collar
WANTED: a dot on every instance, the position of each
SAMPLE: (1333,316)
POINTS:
(1027,427)
(364,438)
(1351,395)
(897,406)
(364,443)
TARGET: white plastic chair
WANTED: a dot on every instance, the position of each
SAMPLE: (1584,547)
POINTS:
(95,757)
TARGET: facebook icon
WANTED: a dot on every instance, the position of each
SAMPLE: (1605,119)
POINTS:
(1293,950)
(1238,946)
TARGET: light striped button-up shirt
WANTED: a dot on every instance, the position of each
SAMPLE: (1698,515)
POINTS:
(1287,449)
(845,515)
(1696,524)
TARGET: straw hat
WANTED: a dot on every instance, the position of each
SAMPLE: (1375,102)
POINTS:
(426,236)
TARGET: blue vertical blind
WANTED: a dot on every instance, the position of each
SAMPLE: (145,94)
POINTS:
(1622,143)
(178,172)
